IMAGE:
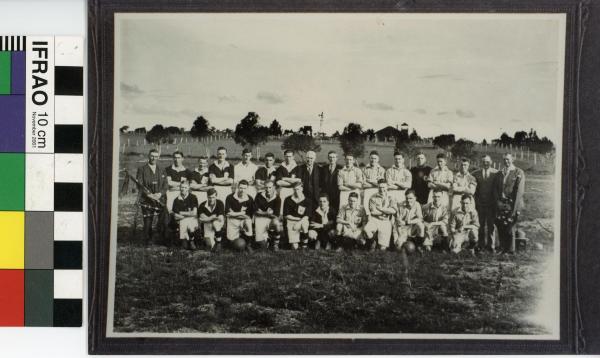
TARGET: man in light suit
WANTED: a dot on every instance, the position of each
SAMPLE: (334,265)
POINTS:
(485,203)
(510,186)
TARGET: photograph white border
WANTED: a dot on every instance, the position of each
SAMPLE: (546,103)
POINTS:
(555,272)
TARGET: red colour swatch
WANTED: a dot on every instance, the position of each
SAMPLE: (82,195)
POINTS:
(12,300)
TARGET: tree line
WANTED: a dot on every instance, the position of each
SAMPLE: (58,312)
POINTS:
(249,132)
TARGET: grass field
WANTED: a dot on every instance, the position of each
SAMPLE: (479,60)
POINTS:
(162,290)
(168,290)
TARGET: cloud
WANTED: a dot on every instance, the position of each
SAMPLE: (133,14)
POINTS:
(130,89)
(227,99)
(437,75)
(157,110)
(420,111)
(269,97)
(444,76)
(442,113)
(465,113)
(541,63)
(378,106)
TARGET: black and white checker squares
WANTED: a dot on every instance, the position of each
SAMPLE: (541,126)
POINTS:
(68,182)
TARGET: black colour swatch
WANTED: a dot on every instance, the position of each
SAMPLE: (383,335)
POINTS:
(68,81)
(67,312)
(67,255)
(68,138)
(68,197)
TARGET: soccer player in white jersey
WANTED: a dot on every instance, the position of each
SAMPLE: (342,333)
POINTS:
(462,183)
(372,173)
(440,178)
(399,178)
(382,207)
(246,170)
(350,180)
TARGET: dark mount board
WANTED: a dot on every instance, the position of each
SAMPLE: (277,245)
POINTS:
(580,249)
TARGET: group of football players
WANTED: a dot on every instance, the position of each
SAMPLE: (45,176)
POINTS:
(299,206)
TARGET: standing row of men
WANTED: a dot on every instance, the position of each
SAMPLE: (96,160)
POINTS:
(421,203)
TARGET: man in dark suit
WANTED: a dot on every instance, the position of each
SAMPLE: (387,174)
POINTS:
(152,186)
(510,187)
(329,175)
(310,175)
(485,203)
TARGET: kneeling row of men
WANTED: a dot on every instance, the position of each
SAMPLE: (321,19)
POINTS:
(259,223)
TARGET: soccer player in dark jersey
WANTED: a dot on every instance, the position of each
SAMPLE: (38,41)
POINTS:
(200,180)
(322,224)
(185,213)
(266,173)
(212,218)
(239,209)
(268,207)
(287,175)
(221,174)
(176,173)
(420,174)
(295,212)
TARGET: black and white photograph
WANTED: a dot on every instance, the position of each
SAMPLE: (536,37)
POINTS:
(337,175)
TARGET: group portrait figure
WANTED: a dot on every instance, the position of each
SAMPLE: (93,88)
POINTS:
(330,206)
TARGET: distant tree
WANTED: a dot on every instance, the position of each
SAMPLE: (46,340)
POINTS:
(370,134)
(414,136)
(444,141)
(405,145)
(505,139)
(300,144)
(141,130)
(520,138)
(533,135)
(336,135)
(249,132)
(463,148)
(124,129)
(173,130)
(158,135)
(201,128)
(352,140)
(275,129)
(542,146)
(288,132)
(484,142)
(306,130)
(402,136)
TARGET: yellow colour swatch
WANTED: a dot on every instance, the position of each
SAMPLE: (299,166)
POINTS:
(12,240)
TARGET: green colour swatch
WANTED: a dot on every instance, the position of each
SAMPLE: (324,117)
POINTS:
(39,298)
(5,70)
(12,181)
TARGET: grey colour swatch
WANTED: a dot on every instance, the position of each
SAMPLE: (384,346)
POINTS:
(39,240)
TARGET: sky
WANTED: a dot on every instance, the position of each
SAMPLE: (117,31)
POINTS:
(472,75)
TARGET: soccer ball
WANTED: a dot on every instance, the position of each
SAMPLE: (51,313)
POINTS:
(409,247)
(239,244)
